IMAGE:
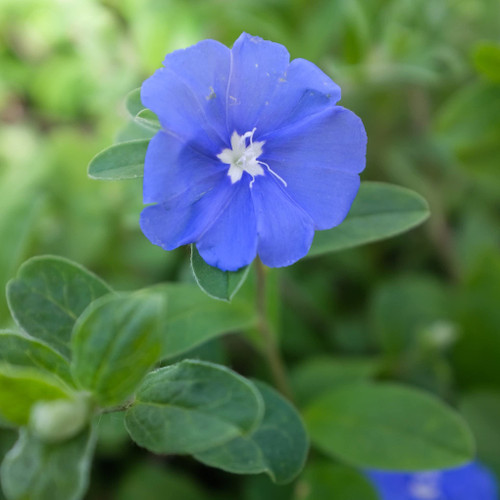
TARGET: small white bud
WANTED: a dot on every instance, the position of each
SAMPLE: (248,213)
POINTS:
(61,419)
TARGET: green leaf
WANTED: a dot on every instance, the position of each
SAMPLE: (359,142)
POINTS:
(20,350)
(192,406)
(121,161)
(321,374)
(328,481)
(21,388)
(194,318)
(133,102)
(115,343)
(486,59)
(146,118)
(378,212)
(214,282)
(481,409)
(34,470)
(48,295)
(388,426)
(277,447)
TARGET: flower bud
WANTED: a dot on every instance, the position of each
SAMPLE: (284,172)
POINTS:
(59,420)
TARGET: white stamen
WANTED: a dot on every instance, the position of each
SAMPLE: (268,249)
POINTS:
(242,157)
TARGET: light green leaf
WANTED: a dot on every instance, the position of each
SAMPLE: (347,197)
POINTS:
(192,406)
(328,481)
(34,470)
(321,374)
(48,295)
(20,350)
(487,60)
(214,282)
(388,426)
(21,388)
(378,212)
(277,447)
(133,102)
(115,343)
(194,318)
(132,131)
(146,118)
(121,161)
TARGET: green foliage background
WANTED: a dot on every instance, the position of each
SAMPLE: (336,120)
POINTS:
(424,77)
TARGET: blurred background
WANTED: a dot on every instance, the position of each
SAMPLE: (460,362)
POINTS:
(423,308)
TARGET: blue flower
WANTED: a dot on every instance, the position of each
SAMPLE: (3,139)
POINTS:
(253,154)
(471,482)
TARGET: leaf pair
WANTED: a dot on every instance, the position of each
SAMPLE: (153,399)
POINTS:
(221,418)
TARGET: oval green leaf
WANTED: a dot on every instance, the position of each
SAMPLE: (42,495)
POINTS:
(388,426)
(217,284)
(21,388)
(47,296)
(121,161)
(36,470)
(20,350)
(115,343)
(194,318)
(278,447)
(192,406)
(379,211)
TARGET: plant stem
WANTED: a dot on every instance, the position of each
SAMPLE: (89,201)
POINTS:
(271,350)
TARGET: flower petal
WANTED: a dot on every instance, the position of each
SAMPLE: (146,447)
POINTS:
(174,169)
(284,229)
(179,223)
(257,65)
(320,159)
(189,93)
(303,91)
(231,242)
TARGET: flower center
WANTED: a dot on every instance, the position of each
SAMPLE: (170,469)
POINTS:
(243,157)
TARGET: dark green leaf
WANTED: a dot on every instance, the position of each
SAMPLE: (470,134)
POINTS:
(21,388)
(387,426)
(115,343)
(34,470)
(48,295)
(277,447)
(328,481)
(379,211)
(133,102)
(214,282)
(192,406)
(194,318)
(20,350)
(121,161)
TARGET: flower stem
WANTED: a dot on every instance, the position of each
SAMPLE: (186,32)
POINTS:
(271,350)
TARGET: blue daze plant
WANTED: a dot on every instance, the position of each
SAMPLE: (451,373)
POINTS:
(253,154)
(470,482)
(249,155)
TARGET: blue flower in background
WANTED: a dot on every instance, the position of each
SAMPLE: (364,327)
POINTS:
(471,482)
(253,154)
